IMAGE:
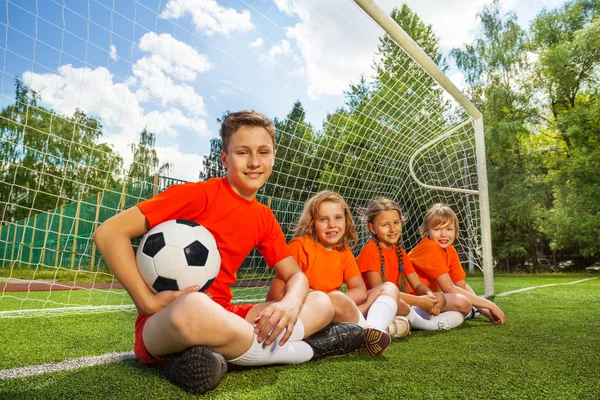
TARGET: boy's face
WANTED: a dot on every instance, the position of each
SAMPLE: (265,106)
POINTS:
(249,160)
(443,234)
(330,224)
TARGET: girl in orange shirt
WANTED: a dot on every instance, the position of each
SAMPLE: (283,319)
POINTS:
(383,259)
(321,243)
(436,262)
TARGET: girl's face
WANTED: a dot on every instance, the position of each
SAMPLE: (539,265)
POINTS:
(443,234)
(330,224)
(387,226)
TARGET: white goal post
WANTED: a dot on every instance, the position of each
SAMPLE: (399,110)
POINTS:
(397,33)
(105,104)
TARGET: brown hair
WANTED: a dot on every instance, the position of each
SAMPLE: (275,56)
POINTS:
(236,120)
(306,222)
(439,214)
(376,207)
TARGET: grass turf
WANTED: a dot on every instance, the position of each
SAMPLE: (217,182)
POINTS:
(547,349)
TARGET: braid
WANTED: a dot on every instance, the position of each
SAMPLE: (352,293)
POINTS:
(402,285)
(382,258)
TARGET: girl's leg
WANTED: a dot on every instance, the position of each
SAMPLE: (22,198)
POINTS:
(345,310)
(381,306)
(456,302)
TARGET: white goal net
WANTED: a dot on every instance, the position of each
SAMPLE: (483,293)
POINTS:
(106,103)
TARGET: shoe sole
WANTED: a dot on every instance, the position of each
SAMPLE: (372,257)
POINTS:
(196,370)
(375,343)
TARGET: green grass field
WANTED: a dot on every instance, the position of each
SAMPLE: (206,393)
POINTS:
(549,348)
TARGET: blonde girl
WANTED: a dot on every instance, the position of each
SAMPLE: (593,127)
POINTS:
(384,259)
(436,262)
(321,246)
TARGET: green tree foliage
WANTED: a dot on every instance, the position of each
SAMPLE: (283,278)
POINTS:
(395,104)
(296,173)
(538,92)
(48,159)
(145,160)
(212,167)
(567,41)
(496,68)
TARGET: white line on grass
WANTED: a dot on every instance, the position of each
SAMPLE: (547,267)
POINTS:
(541,286)
(66,365)
(24,372)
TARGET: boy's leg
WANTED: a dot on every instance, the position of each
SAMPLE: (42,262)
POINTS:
(308,342)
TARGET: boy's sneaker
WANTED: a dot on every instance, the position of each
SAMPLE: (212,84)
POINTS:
(375,343)
(196,370)
(335,340)
(399,328)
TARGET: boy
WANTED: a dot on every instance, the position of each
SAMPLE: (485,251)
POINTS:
(194,333)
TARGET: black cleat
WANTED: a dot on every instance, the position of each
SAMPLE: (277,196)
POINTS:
(196,370)
(375,343)
(335,340)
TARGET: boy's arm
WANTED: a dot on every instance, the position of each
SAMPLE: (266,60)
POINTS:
(283,314)
(484,311)
(113,240)
(448,286)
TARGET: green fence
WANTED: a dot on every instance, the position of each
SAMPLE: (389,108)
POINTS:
(61,238)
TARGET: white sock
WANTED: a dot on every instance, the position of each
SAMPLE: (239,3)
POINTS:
(295,351)
(361,320)
(444,321)
(418,322)
(381,313)
(448,320)
(422,313)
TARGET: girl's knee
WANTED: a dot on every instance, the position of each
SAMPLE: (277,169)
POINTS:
(390,289)
(463,304)
(320,303)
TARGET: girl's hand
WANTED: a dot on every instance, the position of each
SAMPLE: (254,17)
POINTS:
(166,297)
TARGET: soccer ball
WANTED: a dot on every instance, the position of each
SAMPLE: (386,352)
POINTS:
(177,254)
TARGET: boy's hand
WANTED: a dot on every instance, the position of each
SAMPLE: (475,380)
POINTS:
(274,319)
(166,297)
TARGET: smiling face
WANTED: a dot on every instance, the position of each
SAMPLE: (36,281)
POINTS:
(249,160)
(443,234)
(387,226)
(330,224)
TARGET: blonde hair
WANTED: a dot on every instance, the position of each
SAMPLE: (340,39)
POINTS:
(437,215)
(376,207)
(306,223)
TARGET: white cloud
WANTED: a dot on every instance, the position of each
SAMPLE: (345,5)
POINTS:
(209,17)
(155,84)
(272,56)
(168,121)
(257,43)
(113,52)
(175,57)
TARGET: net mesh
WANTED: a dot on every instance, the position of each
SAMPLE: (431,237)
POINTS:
(79,77)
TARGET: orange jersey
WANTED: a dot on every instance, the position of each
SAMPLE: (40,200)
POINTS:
(369,259)
(238,226)
(326,270)
(431,261)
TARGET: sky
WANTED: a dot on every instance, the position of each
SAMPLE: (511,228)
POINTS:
(175,66)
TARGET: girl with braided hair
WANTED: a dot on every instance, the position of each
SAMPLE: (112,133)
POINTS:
(383,259)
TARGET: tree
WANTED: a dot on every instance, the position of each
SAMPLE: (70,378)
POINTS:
(145,160)
(567,40)
(212,166)
(497,69)
(48,159)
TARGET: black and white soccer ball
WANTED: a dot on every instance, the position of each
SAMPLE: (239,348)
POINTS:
(177,254)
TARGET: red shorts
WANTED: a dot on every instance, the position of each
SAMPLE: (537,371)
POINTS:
(139,348)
